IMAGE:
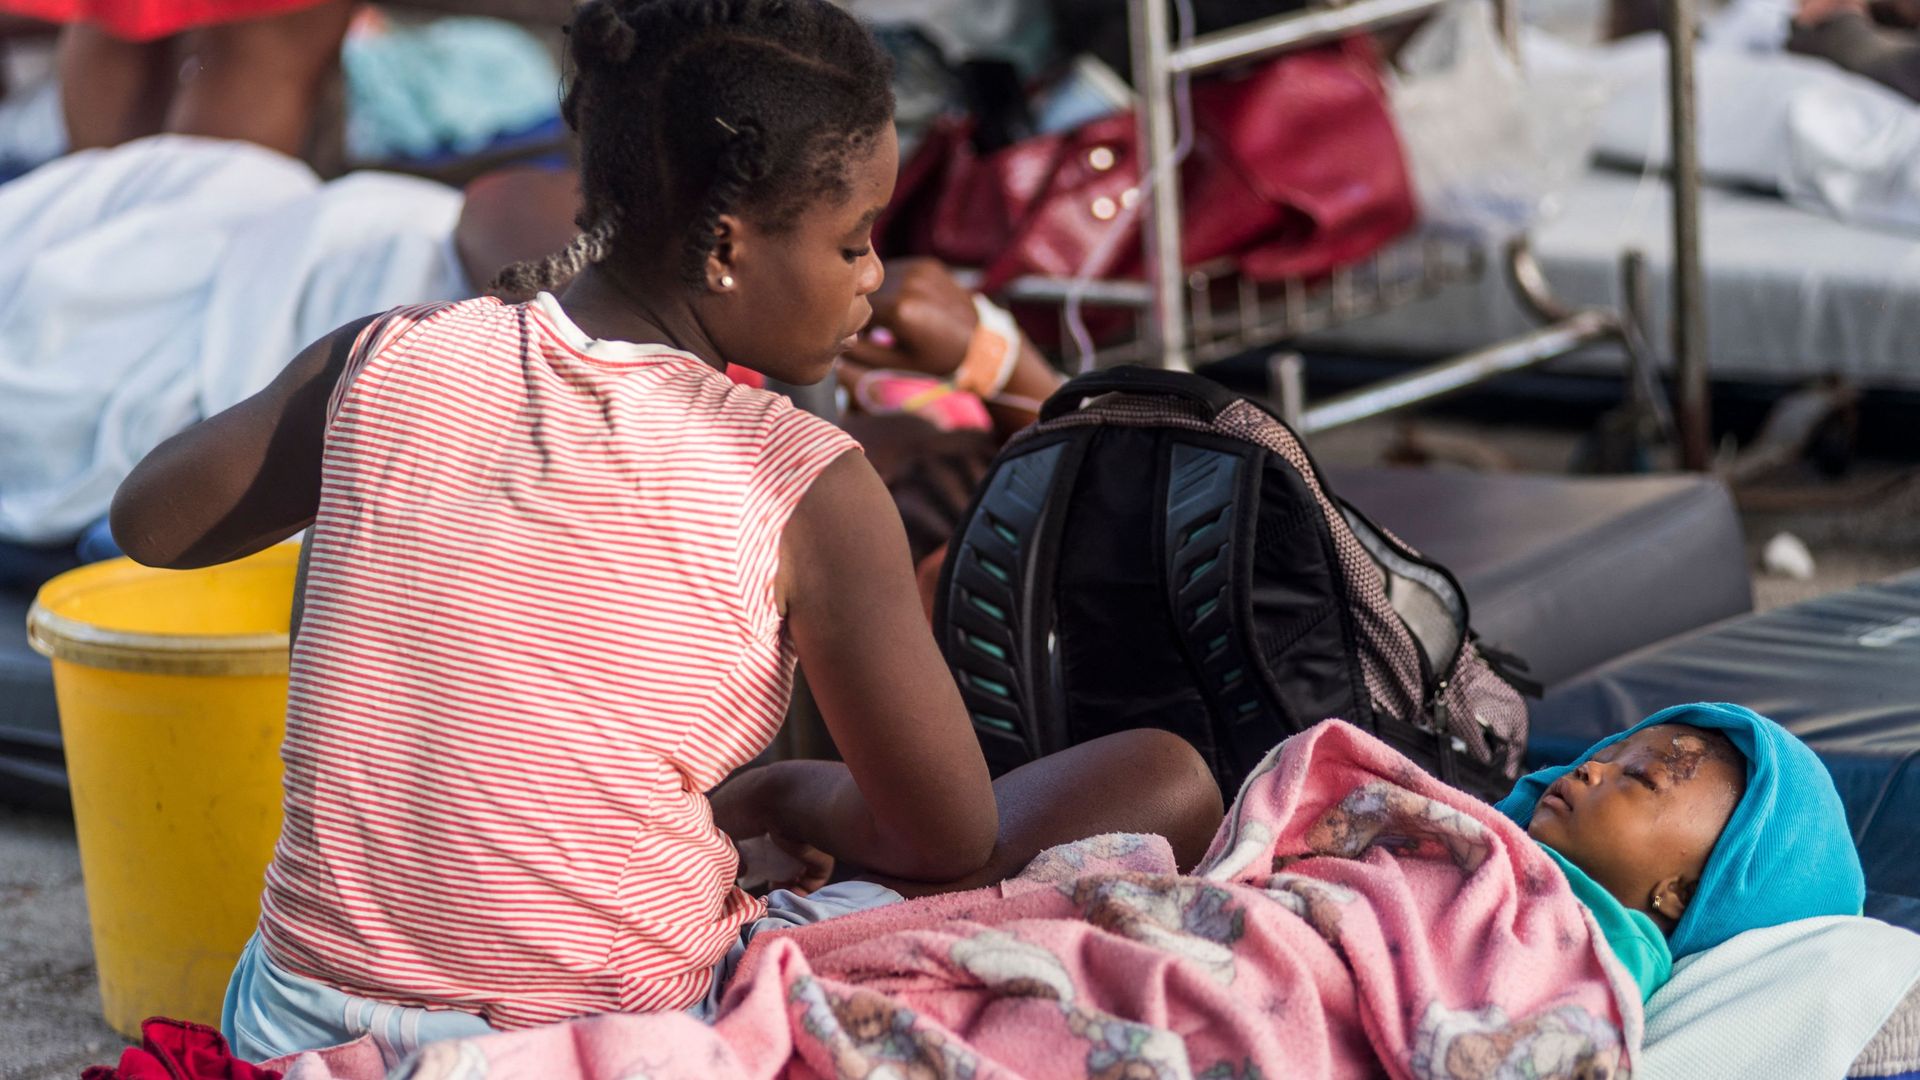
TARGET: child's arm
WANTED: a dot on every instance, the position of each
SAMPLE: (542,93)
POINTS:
(240,481)
(914,799)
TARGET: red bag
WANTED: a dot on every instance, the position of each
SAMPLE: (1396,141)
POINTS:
(1295,170)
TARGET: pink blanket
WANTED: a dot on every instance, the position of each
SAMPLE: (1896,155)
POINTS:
(1355,918)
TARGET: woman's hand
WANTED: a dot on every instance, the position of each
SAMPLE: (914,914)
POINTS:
(746,808)
(806,868)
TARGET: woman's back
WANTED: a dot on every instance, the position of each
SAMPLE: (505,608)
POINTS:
(539,622)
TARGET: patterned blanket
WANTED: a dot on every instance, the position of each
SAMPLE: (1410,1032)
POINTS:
(1354,918)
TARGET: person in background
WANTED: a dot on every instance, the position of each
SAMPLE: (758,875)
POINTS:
(229,69)
(1877,41)
(562,570)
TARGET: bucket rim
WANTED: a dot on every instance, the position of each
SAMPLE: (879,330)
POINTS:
(76,641)
(60,637)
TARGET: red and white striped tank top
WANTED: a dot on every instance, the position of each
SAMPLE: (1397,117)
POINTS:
(539,624)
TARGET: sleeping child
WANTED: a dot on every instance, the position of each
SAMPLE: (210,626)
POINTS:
(1699,823)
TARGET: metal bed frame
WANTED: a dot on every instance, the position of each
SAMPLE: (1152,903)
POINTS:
(1180,311)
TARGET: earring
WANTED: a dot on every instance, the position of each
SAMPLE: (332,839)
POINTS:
(726,281)
(1656,904)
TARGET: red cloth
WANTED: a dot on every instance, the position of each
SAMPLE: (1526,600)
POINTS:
(146,20)
(179,1050)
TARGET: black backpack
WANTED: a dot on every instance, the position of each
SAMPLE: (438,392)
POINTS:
(1168,556)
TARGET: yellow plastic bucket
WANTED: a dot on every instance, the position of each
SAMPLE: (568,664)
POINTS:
(172,688)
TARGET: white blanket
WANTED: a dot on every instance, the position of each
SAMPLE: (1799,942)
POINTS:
(145,287)
(1799,1000)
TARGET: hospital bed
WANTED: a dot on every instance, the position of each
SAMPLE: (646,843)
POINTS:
(1788,293)
(1184,315)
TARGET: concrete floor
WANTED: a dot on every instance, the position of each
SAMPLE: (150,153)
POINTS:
(50,1027)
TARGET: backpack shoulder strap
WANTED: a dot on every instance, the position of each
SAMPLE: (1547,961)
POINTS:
(1208,502)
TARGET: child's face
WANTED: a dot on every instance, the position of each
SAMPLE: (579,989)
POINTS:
(1642,816)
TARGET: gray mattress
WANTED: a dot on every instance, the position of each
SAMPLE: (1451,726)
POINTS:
(1569,572)
(1790,294)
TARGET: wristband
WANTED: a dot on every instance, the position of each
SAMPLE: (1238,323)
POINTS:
(992,354)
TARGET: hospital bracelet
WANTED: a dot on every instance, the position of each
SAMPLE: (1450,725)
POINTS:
(992,354)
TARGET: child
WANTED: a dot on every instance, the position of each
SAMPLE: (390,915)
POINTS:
(562,568)
(1697,824)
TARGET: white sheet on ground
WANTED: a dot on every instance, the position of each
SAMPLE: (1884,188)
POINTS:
(1798,1000)
(145,287)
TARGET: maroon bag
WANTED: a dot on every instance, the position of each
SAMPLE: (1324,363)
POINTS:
(1295,170)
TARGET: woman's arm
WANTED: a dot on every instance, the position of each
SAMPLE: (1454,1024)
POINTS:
(240,481)
(913,799)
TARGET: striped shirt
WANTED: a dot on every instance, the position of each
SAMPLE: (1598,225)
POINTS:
(539,625)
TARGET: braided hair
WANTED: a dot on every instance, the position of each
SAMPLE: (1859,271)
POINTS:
(690,109)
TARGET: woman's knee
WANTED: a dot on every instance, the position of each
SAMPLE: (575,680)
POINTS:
(1169,779)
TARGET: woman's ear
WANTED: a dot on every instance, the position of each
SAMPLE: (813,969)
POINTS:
(723,273)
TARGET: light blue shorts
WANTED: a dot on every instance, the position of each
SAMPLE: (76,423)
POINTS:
(270,1012)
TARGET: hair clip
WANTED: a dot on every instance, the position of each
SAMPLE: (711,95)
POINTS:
(731,130)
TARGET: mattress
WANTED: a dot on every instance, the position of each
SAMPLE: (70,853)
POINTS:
(1790,294)
(1568,572)
(1841,671)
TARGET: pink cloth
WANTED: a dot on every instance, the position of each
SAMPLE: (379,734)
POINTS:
(1354,918)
